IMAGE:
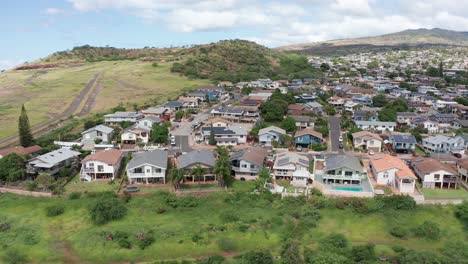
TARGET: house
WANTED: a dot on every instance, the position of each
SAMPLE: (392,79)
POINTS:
(189,103)
(301,178)
(460,124)
(406,118)
(351,106)
(148,167)
(341,169)
(403,142)
(367,140)
(225,136)
(150,121)
(314,107)
(20,150)
(135,134)
(161,112)
(227,113)
(286,163)
(303,121)
(336,102)
(393,172)
(101,165)
(362,100)
(119,117)
(203,158)
(443,118)
(444,144)
(267,135)
(98,133)
(362,115)
(173,105)
(247,163)
(218,122)
(307,137)
(53,162)
(376,125)
(462,169)
(424,122)
(434,174)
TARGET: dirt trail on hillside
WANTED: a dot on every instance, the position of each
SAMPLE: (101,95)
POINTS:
(45,126)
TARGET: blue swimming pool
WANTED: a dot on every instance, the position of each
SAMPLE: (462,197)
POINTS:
(346,188)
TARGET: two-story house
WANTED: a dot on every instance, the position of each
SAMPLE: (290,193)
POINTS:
(98,133)
(148,167)
(225,136)
(362,115)
(286,163)
(307,137)
(150,121)
(406,118)
(173,105)
(197,158)
(434,174)
(392,171)
(53,162)
(340,169)
(376,126)
(462,169)
(403,142)
(135,134)
(444,144)
(367,140)
(119,117)
(247,163)
(303,121)
(266,136)
(101,165)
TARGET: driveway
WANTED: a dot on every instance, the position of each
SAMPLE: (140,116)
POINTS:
(335,132)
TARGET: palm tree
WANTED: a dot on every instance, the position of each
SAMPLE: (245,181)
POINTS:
(198,172)
(175,177)
(263,177)
(222,168)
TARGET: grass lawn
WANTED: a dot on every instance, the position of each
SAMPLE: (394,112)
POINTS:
(419,151)
(76,185)
(193,232)
(444,194)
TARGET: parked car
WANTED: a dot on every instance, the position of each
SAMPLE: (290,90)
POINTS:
(340,139)
(371,152)
(299,148)
(340,146)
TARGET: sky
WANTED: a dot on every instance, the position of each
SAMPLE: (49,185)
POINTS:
(33,29)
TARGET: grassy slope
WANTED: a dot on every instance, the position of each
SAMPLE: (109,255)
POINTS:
(51,93)
(71,235)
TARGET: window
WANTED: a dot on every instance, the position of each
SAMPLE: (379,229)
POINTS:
(157,170)
(252,166)
(100,168)
(385,175)
(348,173)
(244,165)
(436,177)
(148,170)
(99,133)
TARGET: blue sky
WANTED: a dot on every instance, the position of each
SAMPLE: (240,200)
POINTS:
(32,29)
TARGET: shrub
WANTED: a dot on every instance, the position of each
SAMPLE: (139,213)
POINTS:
(31,186)
(107,209)
(399,232)
(196,238)
(212,260)
(14,257)
(4,226)
(161,210)
(461,212)
(124,243)
(256,257)
(228,216)
(55,210)
(398,248)
(183,201)
(334,242)
(398,202)
(145,239)
(429,230)
(363,253)
(74,195)
(310,216)
(226,244)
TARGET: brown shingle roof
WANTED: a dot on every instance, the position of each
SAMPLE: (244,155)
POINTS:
(463,163)
(20,150)
(366,135)
(428,165)
(111,156)
(308,131)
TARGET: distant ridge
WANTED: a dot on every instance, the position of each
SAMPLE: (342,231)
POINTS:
(404,39)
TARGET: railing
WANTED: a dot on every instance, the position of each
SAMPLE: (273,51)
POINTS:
(340,177)
(136,175)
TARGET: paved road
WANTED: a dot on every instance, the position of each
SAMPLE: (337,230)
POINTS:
(46,126)
(335,132)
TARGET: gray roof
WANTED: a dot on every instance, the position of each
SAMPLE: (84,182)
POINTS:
(301,118)
(100,128)
(313,105)
(375,123)
(154,119)
(339,161)
(230,130)
(409,114)
(155,157)
(125,115)
(403,138)
(52,158)
(137,127)
(270,128)
(203,156)
(173,104)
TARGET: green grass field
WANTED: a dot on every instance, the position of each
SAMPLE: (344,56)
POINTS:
(51,91)
(190,233)
(445,194)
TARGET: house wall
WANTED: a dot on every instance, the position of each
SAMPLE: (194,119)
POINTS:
(148,172)
(106,167)
(405,187)
(375,145)
(429,179)
(386,177)
(132,136)
(268,138)
(306,140)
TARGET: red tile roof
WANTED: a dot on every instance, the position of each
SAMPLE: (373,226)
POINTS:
(20,150)
(111,156)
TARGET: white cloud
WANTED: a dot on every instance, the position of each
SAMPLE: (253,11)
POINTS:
(54,11)
(278,22)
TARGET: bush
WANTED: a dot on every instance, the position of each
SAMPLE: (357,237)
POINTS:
(228,216)
(334,242)
(226,244)
(212,260)
(184,201)
(399,232)
(310,216)
(398,248)
(363,253)
(397,202)
(196,238)
(74,195)
(429,230)
(4,226)
(145,239)
(31,186)
(107,209)
(256,257)
(14,257)
(124,243)
(55,210)
(461,212)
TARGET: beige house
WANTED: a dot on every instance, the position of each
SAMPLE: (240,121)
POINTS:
(286,163)
(367,140)
(433,174)
(393,172)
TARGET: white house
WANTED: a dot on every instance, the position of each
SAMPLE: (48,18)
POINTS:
(148,167)
(434,174)
(462,169)
(225,136)
(269,134)
(52,162)
(301,178)
(392,171)
(444,144)
(367,140)
(248,163)
(119,117)
(376,125)
(101,165)
(287,162)
(149,121)
(99,132)
(134,134)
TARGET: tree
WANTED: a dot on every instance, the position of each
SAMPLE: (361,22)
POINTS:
(211,139)
(256,257)
(433,72)
(179,115)
(24,129)
(441,69)
(263,177)
(324,67)
(274,110)
(159,134)
(12,167)
(289,124)
(45,180)
(198,172)
(175,177)
(363,253)
(107,209)
(290,253)
(379,100)
(373,64)
(324,257)
(461,212)
(330,110)
(222,168)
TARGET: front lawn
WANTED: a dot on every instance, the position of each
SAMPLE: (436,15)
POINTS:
(76,185)
(444,194)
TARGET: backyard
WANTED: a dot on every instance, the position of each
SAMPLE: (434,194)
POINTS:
(226,223)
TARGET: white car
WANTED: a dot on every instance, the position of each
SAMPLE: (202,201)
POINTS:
(340,139)
(371,152)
